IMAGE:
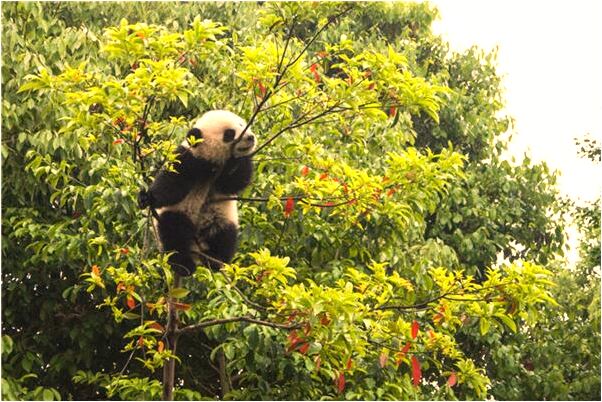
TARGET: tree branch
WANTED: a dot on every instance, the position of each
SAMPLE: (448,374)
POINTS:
(197,327)
(281,71)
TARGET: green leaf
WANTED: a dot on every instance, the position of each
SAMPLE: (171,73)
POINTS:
(47,395)
(131,316)
(179,293)
(7,345)
(508,321)
(484,325)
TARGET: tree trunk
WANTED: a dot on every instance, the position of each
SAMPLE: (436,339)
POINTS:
(169,367)
(224,379)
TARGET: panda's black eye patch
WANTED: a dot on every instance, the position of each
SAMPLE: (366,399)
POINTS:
(229,135)
(195,132)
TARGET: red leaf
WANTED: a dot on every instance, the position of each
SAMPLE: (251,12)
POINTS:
(303,348)
(340,382)
(157,326)
(406,347)
(313,68)
(293,340)
(451,381)
(382,359)
(304,171)
(324,319)
(349,363)
(124,251)
(401,354)
(262,89)
(95,270)
(291,317)
(131,303)
(118,141)
(415,328)
(120,287)
(392,111)
(160,346)
(323,176)
(318,361)
(416,372)
(141,341)
(290,205)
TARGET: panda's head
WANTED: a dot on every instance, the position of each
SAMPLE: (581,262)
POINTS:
(220,132)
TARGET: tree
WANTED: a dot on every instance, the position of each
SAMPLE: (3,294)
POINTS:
(346,284)
(559,357)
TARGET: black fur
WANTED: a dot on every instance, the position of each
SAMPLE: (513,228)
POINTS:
(176,233)
(235,176)
(222,247)
(229,135)
(169,188)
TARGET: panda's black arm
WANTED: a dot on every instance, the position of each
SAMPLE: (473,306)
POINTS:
(235,176)
(169,188)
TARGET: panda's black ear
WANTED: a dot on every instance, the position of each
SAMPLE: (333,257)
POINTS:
(195,132)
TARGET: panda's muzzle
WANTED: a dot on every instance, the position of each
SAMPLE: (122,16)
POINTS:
(247,143)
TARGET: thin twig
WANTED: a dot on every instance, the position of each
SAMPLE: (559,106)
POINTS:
(419,306)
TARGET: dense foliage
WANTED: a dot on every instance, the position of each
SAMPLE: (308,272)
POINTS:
(367,266)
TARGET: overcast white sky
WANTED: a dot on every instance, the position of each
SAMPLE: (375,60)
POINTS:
(550,54)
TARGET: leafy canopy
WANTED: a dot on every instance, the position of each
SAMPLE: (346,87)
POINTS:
(344,287)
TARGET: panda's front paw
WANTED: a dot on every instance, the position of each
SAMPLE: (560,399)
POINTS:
(145,199)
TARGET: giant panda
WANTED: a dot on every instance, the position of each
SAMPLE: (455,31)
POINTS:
(194,218)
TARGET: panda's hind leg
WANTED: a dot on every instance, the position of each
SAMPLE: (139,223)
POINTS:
(176,233)
(222,245)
